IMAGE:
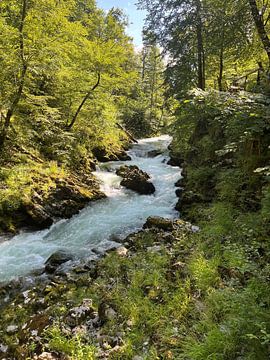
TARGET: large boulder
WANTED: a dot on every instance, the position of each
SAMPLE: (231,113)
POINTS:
(55,260)
(102,155)
(64,200)
(36,215)
(159,223)
(175,160)
(136,180)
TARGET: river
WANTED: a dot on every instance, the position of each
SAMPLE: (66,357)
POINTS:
(98,227)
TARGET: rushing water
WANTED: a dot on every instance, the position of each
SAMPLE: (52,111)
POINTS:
(100,224)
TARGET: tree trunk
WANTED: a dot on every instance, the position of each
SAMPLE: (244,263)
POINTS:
(201,58)
(83,102)
(18,94)
(260,72)
(132,138)
(221,66)
(221,63)
(144,55)
(260,27)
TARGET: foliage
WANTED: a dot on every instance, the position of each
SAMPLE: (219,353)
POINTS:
(211,38)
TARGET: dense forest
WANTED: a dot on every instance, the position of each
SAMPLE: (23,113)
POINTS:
(74,91)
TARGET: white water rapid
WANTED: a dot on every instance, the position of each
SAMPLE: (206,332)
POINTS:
(100,224)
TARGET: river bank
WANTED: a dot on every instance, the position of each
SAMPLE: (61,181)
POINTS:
(57,314)
(36,192)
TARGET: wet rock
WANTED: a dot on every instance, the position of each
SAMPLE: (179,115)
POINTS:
(188,198)
(57,259)
(175,160)
(179,192)
(123,156)
(159,223)
(37,216)
(63,198)
(178,206)
(180,183)
(102,155)
(136,180)
(154,153)
(69,198)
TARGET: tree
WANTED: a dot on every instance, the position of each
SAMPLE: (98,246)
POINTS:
(258,16)
(28,45)
(178,27)
(102,61)
(227,32)
(23,66)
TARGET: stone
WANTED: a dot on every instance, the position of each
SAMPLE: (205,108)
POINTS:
(154,153)
(37,216)
(178,206)
(106,312)
(63,198)
(175,160)
(122,251)
(111,314)
(159,223)
(180,183)
(57,259)
(123,156)
(102,155)
(12,329)
(3,348)
(34,327)
(45,356)
(179,193)
(79,314)
(136,180)
(154,249)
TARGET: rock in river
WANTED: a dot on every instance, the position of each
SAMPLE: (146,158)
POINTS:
(136,180)
(57,259)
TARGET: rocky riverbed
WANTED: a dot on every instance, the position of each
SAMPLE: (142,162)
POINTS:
(45,320)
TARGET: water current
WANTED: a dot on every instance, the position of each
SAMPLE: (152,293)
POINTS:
(98,227)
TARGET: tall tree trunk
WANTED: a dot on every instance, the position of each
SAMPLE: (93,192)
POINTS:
(153,87)
(18,94)
(200,48)
(258,19)
(221,67)
(144,55)
(83,102)
(260,72)
(221,63)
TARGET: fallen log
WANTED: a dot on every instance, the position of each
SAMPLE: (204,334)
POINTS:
(127,132)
